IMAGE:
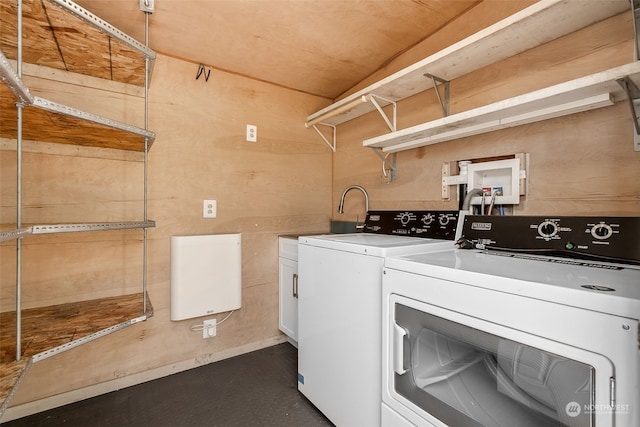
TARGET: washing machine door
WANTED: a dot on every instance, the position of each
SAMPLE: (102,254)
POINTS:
(458,374)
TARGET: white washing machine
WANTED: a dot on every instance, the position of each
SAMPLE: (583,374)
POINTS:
(339,308)
(487,337)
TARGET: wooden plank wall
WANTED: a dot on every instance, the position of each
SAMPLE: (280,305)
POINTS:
(291,182)
(281,184)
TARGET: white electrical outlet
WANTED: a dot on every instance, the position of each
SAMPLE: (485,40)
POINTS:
(252,133)
(209,208)
(209,328)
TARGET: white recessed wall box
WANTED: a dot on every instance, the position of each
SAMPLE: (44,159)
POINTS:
(206,275)
(503,174)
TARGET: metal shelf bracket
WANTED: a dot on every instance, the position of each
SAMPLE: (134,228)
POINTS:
(374,99)
(391,165)
(444,99)
(390,123)
(331,144)
(633,97)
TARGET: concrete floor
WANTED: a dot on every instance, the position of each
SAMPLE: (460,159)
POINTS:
(253,389)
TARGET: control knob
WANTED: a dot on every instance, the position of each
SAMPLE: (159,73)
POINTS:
(601,231)
(547,229)
(444,219)
(427,219)
(405,218)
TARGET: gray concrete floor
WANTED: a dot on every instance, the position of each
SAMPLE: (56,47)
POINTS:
(253,389)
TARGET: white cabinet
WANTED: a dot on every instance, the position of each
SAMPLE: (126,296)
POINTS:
(288,266)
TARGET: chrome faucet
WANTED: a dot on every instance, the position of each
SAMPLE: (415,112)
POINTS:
(349,188)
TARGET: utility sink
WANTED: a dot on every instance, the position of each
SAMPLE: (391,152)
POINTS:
(344,227)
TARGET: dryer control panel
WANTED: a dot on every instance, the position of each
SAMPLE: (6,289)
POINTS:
(606,238)
(428,224)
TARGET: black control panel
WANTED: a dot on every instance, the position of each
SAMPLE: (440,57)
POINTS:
(428,224)
(605,238)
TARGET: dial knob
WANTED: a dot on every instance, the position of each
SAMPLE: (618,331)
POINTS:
(601,231)
(548,229)
(427,219)
(444,219)
(405,218)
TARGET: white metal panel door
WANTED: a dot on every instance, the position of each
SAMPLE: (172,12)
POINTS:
(339,337)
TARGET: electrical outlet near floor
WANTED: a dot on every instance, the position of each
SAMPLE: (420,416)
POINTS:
(209,328)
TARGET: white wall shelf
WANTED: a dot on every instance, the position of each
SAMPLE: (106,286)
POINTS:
(582,94)
(540,23)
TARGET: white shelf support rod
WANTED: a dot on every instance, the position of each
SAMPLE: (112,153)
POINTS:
(633,97)
(444,103)
(332,144)
(390,123)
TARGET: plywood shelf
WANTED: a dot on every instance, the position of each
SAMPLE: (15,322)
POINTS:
(582,94)
(540,23)
(65,36)
(48,121)
(47,331)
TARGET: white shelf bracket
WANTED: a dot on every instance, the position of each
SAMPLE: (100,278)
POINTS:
(633,97)
(392,165)
(390,123)
(444,99)
(331,144)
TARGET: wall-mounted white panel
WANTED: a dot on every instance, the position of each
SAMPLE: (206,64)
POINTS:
(503,174)
(206,275)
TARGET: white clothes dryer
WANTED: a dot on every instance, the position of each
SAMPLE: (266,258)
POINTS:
(487,337)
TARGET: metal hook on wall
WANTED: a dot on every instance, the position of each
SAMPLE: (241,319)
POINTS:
(201,71)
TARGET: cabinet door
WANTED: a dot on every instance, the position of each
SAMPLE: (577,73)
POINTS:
(288,321)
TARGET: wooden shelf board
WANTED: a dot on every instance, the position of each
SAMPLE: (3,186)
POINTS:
(509,112)
(46,328)
(64,36)
(538,24)
(47,121)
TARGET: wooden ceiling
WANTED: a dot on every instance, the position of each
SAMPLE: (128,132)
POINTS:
(320,47)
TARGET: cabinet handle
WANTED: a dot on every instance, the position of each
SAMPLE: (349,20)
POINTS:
(295,285)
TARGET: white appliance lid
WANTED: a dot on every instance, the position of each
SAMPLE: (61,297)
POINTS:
(376,244)
(604,287)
